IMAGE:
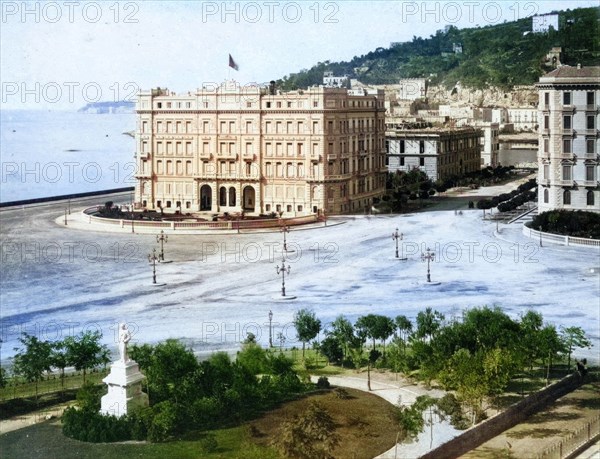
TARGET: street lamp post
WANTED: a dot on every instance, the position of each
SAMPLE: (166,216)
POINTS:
(397,237)
(270,329)
(429,257)
(162,239)
(284,230)
(65,217)
(152,258)
(283,269)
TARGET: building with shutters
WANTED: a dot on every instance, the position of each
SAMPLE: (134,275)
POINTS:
(258,150)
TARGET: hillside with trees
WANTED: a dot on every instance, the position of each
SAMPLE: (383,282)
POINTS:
(501,55)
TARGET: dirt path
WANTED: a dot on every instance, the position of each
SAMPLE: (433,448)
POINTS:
(26,420)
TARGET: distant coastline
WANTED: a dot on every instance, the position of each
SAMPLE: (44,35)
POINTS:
(101,108)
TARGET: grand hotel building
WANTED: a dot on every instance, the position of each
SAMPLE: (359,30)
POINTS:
(257,150)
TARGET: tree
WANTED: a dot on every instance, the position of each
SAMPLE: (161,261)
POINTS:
(307,326)
(311,435)
(34,360)
(367,326)
(574,338)
(331,349)
(343,331)
(84,351)
(428,323)
(59,359)
(404,326)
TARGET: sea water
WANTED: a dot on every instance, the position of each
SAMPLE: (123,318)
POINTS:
(51,153)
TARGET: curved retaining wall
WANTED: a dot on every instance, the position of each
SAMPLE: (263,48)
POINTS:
(222,225)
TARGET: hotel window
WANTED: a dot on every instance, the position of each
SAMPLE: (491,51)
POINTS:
(315,127)
(248,104)
(188,105)
(188,127)
(290,170)
(248,127)
(546,171)
(268,170)
(279,170)
(546,145)
(567,144)
(590,173)
(188,168)
(248,169)
(278,104)
(546,122)
(546,99)
(249,148)
(268,127)
(179,127)
(567,197)
(159,105)
(567,122)
(279,149)
(278,126)
(188,148)
(222,127)
(590,198)
(402,160)
(315,103)
(566,98)
(590,145)
(205,104)
(300,149)
(402,147)
(300,127)
(545,195)
(232,127)
(268,104)
(590,122)
(421,146)
(421,161)
(591,98)
(269,149)
(289,105)
(205,127)
(566,172)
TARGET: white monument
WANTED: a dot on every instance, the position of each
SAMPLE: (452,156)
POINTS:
(124,382)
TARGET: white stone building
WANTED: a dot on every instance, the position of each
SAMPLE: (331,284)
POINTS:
(568,153)
(439,152)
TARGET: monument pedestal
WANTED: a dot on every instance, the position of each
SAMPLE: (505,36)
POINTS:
(124,389)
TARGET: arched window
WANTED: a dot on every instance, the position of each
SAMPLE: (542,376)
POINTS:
(590,198)
(223,196)
(232,197)
(545,195)
(567,198)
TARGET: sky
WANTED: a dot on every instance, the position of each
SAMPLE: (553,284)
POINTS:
(63,54)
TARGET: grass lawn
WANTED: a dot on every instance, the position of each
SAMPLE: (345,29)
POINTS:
(364,422)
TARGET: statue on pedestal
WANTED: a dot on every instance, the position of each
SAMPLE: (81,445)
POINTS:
(124,382)
(124,338)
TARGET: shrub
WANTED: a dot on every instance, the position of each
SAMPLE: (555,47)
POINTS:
(323,383)
(209,443)
(91,426)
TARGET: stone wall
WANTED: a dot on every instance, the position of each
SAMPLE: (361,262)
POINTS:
(494,426)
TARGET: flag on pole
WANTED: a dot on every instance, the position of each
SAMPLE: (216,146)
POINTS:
(232,63)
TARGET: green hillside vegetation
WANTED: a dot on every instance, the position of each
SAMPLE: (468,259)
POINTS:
(500,55)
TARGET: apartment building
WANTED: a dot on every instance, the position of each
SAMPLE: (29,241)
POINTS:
(258,150)
(439,152)
(568,152)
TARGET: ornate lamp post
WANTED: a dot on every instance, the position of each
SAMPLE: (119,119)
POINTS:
(284,229)
(397,237)
(152,258)
(283,269)
(162,239)
(270,329)
(65,216)
(429,257)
